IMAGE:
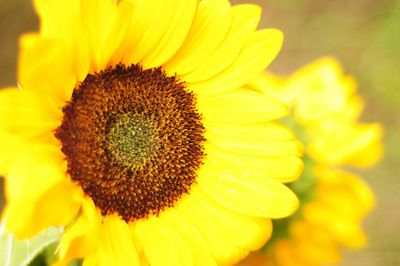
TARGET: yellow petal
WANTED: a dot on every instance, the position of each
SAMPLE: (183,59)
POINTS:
(239,107)
(245,19)
(61,20)
(105,24)
(46,67)
(80,238)
(39,194)
(118,30)
(358,145)
(286,252)
(258,52)
(209,28)
(255,140)
(314,242)
(341,202)
(150,21)
(161,244)
(282,168)
(265,197)
(318,89)
(341,225)
(249,233)
(368,148)
(115,245)
(24,114)
(200,251)
(96,17)
(272,85)
(11,148)
(353,185)
(173,37)
(225,252)
(57,17)
(324,68)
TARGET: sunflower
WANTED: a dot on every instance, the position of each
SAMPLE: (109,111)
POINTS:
(333,201)
(132,129)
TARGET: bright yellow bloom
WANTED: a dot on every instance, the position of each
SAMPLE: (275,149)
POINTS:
(333,201)
(131,127)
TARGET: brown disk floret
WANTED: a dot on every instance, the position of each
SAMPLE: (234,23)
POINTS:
(133,140)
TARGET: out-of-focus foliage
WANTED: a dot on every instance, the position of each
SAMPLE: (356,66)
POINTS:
(21,252)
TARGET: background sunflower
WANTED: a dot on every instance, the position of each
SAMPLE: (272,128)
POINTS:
(363,34)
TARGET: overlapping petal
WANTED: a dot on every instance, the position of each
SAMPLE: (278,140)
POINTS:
(30,211)
(23,114)
(115,245)
(244,21)
(209,28)
(265,197)
(240,107)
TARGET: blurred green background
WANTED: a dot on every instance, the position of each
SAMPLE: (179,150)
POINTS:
(363,34)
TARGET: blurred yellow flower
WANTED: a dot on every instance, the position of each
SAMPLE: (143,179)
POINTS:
(333,201)
(131,128)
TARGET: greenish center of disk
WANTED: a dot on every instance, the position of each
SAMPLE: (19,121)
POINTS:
(130,139)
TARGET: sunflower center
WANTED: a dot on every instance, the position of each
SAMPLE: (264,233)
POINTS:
(133,140)
(130,139)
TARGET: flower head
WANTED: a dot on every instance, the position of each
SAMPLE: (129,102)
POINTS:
(333,201)
(133,130)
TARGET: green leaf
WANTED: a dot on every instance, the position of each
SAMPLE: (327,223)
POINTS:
(14,252)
